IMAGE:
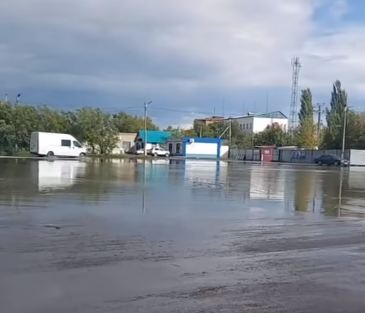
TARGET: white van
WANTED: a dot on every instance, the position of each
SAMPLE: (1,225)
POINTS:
(54,144)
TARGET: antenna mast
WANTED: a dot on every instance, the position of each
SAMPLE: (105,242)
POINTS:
(294,95)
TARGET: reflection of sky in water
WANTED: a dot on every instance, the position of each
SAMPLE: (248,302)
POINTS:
(176,196)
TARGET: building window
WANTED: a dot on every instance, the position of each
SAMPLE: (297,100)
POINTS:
(178,148)
(65,143)
(170,147)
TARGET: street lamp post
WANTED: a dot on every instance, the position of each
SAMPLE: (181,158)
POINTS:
(145,126)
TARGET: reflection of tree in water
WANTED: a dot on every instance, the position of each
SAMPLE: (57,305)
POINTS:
(331,190)
(17,181)
(101,176)
(304,190)
(20,179)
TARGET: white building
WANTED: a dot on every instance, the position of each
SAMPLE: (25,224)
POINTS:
(255,123)
(126,142)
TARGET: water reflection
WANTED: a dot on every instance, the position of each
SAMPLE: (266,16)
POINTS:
(186,186)
(305,190)
(60,174)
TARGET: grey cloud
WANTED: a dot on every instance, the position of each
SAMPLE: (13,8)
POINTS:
(180,53)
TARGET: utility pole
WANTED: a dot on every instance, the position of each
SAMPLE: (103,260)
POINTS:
(319,120)
(344,134)
(145,126)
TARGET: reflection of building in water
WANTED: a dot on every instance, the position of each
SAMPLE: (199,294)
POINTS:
(205,170)
(267,183)
(58,174)
(206,174)
(356,178)
(352,196)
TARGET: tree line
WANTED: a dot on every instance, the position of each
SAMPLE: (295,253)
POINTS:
(99,129)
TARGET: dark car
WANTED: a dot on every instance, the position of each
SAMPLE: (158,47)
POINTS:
(328,159)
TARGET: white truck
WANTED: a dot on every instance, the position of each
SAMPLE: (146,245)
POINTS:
(55,144)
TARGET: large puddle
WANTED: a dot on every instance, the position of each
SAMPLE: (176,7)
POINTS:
(180,236)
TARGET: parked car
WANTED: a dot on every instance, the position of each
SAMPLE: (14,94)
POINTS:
(157,151)
(55,144)
(328,159)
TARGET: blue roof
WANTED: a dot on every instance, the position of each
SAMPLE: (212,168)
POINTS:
(155,136)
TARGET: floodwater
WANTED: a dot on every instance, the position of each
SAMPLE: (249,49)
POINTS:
(180,236)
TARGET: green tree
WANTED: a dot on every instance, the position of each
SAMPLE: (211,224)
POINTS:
(272,135)
(242,141)
(51,120)
(176,132)
(306,136)
(335,117)
(6,112)
(25,120)
(126,123)
(7,138)
(355,131)
(213,130)
(97,129)
(239,139)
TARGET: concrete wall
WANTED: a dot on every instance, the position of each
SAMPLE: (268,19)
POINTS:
(297,156)
(307,156)
(224,152)
(357,157)
(245,154)
(201,150)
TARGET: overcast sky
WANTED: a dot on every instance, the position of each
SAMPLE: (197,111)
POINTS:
(191,58)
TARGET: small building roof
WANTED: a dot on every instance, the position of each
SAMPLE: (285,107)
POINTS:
(154,136)
(275,114)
